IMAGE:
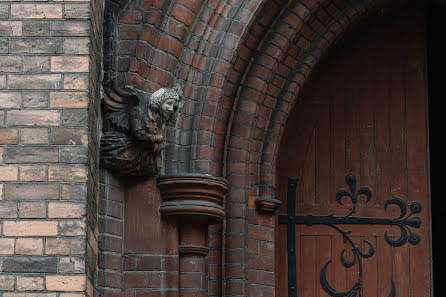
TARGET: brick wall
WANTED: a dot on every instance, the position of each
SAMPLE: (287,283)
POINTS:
(44,144)
(241,63)
(111,233)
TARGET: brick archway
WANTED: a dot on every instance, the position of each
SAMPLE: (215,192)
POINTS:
(241,65)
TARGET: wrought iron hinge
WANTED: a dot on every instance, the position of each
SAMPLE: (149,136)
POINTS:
(402,221)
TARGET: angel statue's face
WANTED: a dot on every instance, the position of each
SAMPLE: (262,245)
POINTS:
(168,107)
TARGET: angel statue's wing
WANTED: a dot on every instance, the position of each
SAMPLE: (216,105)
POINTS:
(119,102)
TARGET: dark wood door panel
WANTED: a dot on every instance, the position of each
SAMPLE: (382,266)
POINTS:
(363,111)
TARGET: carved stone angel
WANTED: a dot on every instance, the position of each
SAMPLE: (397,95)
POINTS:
(132,140)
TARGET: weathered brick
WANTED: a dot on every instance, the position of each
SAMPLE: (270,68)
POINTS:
(36,11)
(9,136)
(135,280)
(6,282)
(73,154)
(69,136)
(8,210)
(68,99)
(71,28)
(32,210)
(26,191)
(36,46)
(36,64)
(10,99)
(4,45)
(74,192)
(9,172)
(30,228)
(69,64)
(29,246)
(75,117)
(71,265)
(34,136)
(73,295)
(35,81)
(33,118)
(35,99)
(64,246)
(72,227)
(30,173)
(31,154)
(30,264)
(66,210)
(6,248)
(67,173)
(77,11)
(2,81)
(29,283)
(4,11)
(36,28)
(10,64)
(75,81)
(10,28)
(77,46)
(65,282)
(28,294)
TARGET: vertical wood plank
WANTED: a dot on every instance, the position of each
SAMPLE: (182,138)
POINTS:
(352,107)
(367,117)
(324,248)
(339,281)
(322,182)
(417,162)
(338,145)
(370,267)
(383,99)
(309,265)
(400,255)
(309,170)
(384,267)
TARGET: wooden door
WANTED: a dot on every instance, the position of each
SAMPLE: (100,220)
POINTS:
(364,112)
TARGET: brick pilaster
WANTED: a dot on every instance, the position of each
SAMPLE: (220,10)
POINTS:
(44,143)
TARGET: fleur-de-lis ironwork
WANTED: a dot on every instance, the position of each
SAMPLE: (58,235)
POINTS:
(402,221)
(350,179)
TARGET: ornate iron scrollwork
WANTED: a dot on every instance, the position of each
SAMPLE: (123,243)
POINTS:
(402,221)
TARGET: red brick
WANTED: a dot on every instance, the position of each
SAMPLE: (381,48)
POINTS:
(33,118)
(9,136)
(64,246)
(30,228)
(10,28)
(66,210)
(32,210)
(6,247)
(134,280)
(69,99)
(29,246)
(65,282)
(67,173)
(29,283)
(36,11)
(9,172)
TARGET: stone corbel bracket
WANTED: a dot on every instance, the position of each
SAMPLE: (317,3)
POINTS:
(267,205)
(196,201)
(193,198)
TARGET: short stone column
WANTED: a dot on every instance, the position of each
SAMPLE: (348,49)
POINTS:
(196,202)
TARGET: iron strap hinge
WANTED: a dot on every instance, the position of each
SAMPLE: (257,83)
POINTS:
(402,221)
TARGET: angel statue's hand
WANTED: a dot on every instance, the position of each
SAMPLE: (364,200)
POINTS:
(157,138)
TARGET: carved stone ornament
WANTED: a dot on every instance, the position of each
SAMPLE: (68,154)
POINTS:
(132,140)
